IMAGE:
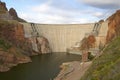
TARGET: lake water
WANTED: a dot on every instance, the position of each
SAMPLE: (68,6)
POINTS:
(42,67)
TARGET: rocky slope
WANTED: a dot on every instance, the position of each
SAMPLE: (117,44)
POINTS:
(13,32)
(14,47)
(3,7)
(14,15)
(114,26)
(106,66)
(9,15)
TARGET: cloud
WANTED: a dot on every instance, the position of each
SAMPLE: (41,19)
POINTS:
(49,13)
(46,13)
(106,4)
(98,14)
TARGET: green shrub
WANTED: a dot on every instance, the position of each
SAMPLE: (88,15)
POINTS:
(90,56)
(4,44)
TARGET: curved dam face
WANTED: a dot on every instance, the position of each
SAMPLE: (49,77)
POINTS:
(63,36)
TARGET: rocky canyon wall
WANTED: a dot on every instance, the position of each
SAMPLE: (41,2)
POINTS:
(15,48)
(113,26)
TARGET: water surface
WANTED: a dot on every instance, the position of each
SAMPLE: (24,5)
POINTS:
(42,67)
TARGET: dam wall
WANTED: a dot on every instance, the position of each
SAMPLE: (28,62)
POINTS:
(101,38)
(63,36)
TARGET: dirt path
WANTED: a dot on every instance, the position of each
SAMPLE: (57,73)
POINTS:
(73,70)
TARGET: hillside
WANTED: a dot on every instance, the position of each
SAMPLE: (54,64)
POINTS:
(15,48)
(10,14)
(12,45)
(113,26)
(106,66)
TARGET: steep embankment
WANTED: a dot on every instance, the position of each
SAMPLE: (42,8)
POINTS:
(12,45)
(12,41)
(114,26)
(106,66)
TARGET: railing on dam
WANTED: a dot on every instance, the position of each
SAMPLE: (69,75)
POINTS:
(63,36)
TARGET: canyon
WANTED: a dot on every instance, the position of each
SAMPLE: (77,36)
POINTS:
(14,47)
(20,39)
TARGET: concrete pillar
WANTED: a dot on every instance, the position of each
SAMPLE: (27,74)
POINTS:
(84,55)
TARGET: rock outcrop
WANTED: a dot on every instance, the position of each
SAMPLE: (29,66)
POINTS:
(3,6)
(40,45)
(11,58)
(13,45)
(8,15)
(13,32)
(113,26)
(43,45)
(88,42)
(99,70)
(14,15)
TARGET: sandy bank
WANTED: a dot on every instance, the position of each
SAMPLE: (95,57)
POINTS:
(72,70)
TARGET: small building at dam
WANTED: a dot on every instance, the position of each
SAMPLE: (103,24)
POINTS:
(64,36)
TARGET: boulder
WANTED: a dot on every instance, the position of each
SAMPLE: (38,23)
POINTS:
(43,45)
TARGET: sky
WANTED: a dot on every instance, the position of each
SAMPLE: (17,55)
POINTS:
(64,11)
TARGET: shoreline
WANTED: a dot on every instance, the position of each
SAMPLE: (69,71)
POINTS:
(72,70)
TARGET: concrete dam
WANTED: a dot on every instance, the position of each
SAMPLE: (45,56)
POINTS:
(64,36)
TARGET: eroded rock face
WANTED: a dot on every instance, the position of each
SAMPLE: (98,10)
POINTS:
(43,45)
(4,14)
(13,32)
(8,15)
(40,45)
(88,42)
(13,45)
(113,26)
(11,58)
(13,13)
(3,6)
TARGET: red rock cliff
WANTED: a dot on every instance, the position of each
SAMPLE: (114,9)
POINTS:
(88,42)
(14,33)
(13,45)
(113,26)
